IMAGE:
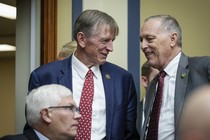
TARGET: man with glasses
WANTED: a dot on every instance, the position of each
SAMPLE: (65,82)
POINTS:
(51,113)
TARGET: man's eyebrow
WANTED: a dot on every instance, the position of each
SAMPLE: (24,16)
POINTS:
(146,36)
(106,39)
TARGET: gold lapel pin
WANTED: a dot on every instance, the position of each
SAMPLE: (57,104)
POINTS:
(107,76)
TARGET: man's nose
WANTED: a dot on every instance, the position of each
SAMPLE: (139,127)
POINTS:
(77,115)
(110,46)
(143,44)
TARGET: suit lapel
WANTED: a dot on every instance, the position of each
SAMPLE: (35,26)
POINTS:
(180,89)
(65,76)
(109,95)
(150,96)
(30,134)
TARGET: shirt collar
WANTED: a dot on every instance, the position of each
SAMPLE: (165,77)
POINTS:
(171,68)
(40,136)
(82,70)
(96,71)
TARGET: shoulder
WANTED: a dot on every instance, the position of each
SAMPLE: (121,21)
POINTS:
(199,62)
(14,137)
(50,73)
(119,74)
(115,68)
(54,66)
(201,59)
(199,67)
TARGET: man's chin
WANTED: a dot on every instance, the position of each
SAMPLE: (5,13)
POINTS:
(152,63)
(74,133)
(101,62)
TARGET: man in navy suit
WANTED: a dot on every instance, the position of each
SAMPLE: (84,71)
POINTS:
(114,102)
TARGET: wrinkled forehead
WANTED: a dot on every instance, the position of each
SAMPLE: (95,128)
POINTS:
(150,27)
(105,29)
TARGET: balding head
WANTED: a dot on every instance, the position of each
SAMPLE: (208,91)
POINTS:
(195,119)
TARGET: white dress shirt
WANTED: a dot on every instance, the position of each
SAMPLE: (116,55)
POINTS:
(79,71)
(40,136)
(166,122)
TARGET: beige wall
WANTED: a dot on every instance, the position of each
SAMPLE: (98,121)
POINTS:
(193,16)
(7,96)
(64,23)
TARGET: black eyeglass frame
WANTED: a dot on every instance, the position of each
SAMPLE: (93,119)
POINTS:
(70,107)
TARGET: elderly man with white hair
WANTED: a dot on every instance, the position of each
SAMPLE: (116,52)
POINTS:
(52,114)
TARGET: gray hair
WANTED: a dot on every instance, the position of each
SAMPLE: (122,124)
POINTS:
(89,19)
(170,24)
(44,97)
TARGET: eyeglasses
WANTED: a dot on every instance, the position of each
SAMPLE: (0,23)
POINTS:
(70,107)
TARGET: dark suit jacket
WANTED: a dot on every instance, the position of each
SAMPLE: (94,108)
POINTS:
(27,135)
(192,72)
(139,116)
(120,94)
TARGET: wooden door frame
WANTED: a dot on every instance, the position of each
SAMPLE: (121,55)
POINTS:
(48,31)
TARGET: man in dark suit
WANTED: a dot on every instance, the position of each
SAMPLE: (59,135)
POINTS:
(114,101)
(27,135)
(161,42)
(51,113)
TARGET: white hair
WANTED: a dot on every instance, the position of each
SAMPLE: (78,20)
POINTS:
(44,97)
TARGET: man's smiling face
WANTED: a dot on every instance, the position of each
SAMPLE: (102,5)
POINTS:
(155,43)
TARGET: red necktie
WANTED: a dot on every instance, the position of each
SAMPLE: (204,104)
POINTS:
(86,100)
(152,133)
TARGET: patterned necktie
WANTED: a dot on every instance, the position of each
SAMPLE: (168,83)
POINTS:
(155,114)
(86,100)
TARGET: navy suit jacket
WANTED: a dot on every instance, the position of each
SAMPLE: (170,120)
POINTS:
(120,94)
(27,135)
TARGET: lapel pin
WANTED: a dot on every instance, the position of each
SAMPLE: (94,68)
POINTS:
(183,75)
(107,76)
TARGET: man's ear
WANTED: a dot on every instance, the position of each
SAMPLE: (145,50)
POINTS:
(174,39)
(81,39)
(144,81)
(45,115)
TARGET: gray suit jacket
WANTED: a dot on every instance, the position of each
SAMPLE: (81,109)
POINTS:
(192,72)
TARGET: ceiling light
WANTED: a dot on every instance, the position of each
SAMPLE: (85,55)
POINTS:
(7,11)
(6,47)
